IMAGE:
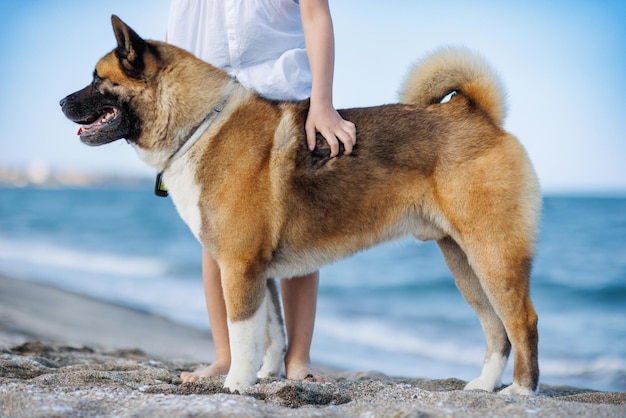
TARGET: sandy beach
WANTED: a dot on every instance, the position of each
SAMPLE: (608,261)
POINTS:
(72,356)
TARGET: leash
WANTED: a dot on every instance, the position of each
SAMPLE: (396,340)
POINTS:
(159,188)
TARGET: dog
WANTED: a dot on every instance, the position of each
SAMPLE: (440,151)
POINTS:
(241,176)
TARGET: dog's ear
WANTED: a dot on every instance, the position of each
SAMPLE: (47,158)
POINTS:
(130,48)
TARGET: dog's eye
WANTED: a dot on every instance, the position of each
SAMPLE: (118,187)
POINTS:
(95,81)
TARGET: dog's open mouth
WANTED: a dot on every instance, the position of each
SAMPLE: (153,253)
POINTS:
(106,125)
(98,121)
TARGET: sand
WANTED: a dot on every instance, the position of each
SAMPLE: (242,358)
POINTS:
(64,355)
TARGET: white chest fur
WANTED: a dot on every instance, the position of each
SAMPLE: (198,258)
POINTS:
(180,180)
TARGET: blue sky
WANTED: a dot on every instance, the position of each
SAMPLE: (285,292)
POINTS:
(563,63)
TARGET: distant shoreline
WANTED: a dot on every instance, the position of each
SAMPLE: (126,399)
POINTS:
(45,178)
(11,178)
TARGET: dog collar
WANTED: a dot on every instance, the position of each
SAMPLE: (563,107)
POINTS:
(159,187)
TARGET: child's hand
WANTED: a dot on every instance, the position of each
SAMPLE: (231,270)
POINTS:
(325,120)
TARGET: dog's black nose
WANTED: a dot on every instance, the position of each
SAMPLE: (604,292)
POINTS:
(62,101)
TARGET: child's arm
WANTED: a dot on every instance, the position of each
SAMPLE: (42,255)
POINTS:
(320,44)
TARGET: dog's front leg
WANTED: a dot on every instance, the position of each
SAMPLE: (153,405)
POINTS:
(245,296)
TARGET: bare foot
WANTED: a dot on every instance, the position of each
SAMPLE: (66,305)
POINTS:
(304,372)
(215,369)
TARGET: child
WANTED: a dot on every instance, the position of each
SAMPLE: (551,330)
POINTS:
(283,49)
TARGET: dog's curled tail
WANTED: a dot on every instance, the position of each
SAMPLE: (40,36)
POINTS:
(455,69)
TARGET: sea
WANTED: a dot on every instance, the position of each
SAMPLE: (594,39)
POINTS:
(393,308)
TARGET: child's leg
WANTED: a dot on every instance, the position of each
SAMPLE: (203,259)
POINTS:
(216,307)
(299,302)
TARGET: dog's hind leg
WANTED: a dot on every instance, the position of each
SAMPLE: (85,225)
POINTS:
(498,345)
(275,334)
(502,262)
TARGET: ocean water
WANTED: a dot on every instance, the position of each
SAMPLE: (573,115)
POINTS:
(394,308)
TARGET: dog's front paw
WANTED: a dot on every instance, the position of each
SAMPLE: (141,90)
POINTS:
(482,383)
(239,383)
(269,371)
(517,389)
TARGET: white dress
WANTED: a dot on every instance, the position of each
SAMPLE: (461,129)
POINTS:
(259,42)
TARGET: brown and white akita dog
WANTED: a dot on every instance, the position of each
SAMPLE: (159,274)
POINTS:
(241,176)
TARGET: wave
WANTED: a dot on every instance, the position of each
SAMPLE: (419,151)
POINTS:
(383,336)
(373,342)
(603,365)
(45,255)
(608,293)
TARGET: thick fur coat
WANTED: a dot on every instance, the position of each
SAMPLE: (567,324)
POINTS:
(265,206)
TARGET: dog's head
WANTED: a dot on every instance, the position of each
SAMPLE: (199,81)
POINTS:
(150,93)
(107,108)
